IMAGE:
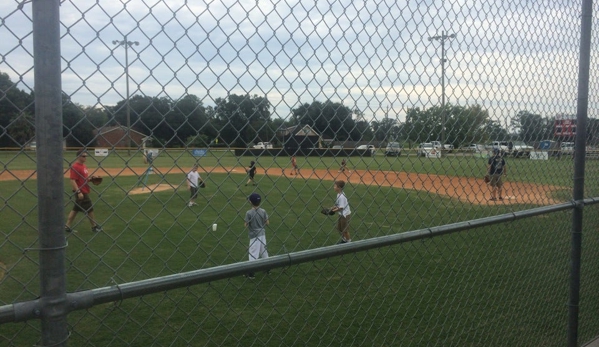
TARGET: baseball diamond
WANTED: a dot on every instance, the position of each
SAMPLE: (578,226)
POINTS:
(465,189)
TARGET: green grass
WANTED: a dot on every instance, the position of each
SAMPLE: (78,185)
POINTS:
(504,285)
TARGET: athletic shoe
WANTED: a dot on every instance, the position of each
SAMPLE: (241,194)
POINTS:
(250,276)
(189,204)
(342,241)
(67,229)
(97,229)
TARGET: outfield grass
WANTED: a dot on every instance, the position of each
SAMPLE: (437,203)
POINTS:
(504,285)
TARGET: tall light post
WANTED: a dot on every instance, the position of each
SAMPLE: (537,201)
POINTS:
(127,44)
(442,38)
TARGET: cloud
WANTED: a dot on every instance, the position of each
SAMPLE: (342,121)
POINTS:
(370,55)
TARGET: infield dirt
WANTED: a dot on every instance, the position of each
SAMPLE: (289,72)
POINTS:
(465,189)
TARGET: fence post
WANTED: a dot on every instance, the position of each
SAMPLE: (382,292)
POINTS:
(579,161)
(50,182)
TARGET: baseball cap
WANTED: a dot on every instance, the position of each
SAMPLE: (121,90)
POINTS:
(255,199)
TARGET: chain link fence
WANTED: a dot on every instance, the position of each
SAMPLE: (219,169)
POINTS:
(410,105)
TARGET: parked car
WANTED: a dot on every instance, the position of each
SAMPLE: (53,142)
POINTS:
(503,146)
(473,148)
(370,147)
(519,149)
(447,147)
(393,148)
(567,148)
(263,145)
(424,148)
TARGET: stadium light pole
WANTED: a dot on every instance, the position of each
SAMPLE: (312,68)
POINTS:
(442,38)
(127,44)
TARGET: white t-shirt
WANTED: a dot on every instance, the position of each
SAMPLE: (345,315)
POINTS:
(192,179)
(342,203)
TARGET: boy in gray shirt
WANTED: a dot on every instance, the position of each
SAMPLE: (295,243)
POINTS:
(256,220)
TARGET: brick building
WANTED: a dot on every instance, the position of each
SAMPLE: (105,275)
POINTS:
(116,136)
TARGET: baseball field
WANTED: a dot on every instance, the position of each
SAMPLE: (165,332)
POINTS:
(503,285)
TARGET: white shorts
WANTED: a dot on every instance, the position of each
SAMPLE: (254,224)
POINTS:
(258,248)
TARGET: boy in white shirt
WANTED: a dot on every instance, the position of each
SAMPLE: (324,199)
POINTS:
(193,179)
(342,206)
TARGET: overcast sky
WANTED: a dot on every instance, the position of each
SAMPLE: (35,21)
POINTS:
(370,55)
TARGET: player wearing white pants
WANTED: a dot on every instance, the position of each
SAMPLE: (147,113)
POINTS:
(258,248)
(256,220)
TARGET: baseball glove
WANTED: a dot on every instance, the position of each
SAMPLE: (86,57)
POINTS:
(487,178)
(202,184)
(96,180)
(327,211)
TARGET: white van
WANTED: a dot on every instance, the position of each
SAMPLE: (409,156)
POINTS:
(263,145)
(371,148)
(503,146)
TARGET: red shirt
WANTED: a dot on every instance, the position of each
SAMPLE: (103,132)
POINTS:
(79,174)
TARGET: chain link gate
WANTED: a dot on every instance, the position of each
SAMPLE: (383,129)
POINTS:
(405,103)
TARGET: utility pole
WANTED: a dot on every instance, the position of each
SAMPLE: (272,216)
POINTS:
(442,38)
(127,44)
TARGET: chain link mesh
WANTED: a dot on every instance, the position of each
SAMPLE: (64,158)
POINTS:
(151,88)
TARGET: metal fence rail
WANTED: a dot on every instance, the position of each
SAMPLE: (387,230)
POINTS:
(404,103)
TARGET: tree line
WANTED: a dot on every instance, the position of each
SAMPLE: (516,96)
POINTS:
(243,120)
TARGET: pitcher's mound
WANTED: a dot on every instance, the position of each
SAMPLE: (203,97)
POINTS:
(151,188)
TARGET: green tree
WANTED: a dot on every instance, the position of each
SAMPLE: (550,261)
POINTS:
(22,129)
(532,127)
(13,103)
(387,129)
(329,119)
(242,119)
(77,128)
(494,131)
(463,125)
(275,125)
(188,118)
(98,117)
(149,116)
(423,125)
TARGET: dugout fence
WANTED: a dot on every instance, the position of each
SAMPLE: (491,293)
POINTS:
(433,261)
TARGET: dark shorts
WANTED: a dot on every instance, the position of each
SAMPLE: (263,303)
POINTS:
(194,192)
(343,223)
(83,205)
(496,181)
